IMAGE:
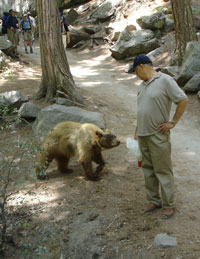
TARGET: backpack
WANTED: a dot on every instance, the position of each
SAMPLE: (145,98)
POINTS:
(4,26)
(22,23)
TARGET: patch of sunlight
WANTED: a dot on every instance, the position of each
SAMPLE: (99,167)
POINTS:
(29,200)
(90,62)
(80,71)
(144,11)
(91,84)
(189,153)
(102,57)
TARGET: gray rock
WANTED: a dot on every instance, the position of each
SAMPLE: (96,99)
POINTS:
(152,22)
(171,71)
(64,4)
(118,29)
(15,99)
(71,16)
(54,114)
(76,36)
(96,4)
(154,53)
(198,94)
(83,8)
(4,43)
(65,101)
(193,85)
(191,63)
(169,25)
(104,12)
(29,110)
(2,60)
(131,43)
(164,241)
(92,29)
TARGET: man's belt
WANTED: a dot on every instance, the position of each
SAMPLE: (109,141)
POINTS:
(26,29)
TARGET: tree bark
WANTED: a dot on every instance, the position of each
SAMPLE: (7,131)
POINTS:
(56,73)
(184,26)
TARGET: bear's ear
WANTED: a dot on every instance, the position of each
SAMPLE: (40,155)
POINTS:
(97,135)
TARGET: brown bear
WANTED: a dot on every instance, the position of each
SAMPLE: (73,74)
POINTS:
(68,139)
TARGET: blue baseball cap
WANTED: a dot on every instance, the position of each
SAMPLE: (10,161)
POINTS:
(138,60)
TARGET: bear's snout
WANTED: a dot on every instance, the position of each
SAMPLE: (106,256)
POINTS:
(118,142)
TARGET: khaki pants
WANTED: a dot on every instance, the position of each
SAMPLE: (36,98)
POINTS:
(12,36)
(157,168)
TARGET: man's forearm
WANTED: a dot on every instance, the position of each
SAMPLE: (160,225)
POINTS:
(135,134)
(181,106)
(68,37)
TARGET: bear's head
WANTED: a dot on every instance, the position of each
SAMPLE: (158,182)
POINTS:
(106,141)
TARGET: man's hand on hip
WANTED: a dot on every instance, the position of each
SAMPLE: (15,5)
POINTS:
(165,127)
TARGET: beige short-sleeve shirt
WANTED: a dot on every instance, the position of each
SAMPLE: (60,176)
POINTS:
(154,103)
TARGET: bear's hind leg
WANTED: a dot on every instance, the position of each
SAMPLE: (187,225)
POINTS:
(62,163)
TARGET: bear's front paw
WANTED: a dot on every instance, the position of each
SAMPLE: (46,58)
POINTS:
(42,177)
(99,168)
(94,178)
(67,171)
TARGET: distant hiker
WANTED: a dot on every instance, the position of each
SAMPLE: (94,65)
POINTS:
(27,29)
(64,24)
(156,94)
(4,27)
(32,19)
(12,27)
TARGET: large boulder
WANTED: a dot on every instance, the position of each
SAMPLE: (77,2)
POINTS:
(91,29)
(64,4)
(105,11)
(191,63)
(77,36)
(132,43)
(2,60)
(71,16)
(193,85)
(14,99)
(54,114)
(4,42)
(169,25)
(155,53)
(29,110)
(152,22)
(117,27)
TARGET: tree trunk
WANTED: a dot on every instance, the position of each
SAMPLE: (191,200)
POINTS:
(184,26)
(56,73)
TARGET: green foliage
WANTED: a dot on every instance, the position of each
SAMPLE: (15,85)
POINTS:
(8,117)
(16,165)
(166,9)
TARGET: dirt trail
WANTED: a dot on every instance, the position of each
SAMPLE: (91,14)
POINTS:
(74,218)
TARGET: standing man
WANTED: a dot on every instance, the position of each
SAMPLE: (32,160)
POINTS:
(12,26)
(27,28)
(32,19)
(155,97)
(64,24)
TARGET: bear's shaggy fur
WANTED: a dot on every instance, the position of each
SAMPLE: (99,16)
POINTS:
(68,139)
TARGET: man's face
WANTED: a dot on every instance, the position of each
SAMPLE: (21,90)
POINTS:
(25,17)
(141,72)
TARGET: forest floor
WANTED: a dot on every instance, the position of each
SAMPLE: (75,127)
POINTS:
(67,216)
